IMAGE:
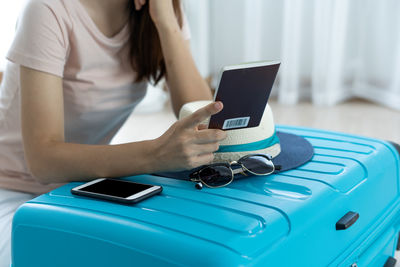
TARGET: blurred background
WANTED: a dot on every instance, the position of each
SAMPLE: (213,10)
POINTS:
(340,60)
(331,51)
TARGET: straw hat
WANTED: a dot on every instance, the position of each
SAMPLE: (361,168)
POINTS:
(240,142)
(287,150)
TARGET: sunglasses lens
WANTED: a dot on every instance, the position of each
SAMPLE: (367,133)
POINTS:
(258,164)
(216,176)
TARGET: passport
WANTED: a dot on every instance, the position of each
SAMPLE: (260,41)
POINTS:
(244,90)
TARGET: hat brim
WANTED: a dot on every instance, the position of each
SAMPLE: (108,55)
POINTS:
(295,151)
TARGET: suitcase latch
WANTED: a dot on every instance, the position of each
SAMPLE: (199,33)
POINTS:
(347,220)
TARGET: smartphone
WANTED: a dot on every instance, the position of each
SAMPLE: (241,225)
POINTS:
(244,90)
(116,190)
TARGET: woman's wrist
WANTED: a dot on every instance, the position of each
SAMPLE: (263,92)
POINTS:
(149,162)
(152,156)
(162,13)
(167,26)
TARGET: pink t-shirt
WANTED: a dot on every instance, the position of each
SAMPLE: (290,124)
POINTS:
(59,37)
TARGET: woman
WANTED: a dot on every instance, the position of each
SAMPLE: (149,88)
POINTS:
(76,70)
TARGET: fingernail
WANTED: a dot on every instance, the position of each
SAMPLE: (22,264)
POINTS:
(218,105)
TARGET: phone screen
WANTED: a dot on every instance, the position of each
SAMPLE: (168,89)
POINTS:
(117,188)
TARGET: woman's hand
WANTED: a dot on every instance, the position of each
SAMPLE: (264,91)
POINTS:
(161,11)
(187,144)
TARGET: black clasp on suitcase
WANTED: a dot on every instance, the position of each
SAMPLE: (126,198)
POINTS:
(391,262)
(347,220)
(398,243)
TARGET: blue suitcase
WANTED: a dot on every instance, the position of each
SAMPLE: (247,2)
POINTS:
(340,209)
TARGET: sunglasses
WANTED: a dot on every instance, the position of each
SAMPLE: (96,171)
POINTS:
(221,174)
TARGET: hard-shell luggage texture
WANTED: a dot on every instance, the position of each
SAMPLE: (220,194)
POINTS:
(342,208)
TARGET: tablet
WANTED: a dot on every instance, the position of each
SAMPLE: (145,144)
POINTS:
(244,90)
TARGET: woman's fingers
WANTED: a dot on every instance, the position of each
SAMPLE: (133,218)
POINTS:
(139,4)
(187,144)
(200,115)
(205,148)
(202,127)
(209,136)
(205,159)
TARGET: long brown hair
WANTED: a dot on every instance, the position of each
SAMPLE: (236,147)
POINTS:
(145,48)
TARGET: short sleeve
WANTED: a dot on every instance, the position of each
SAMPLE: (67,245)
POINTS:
(41,39)
(185,26)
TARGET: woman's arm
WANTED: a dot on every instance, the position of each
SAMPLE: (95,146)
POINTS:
(52,160)
(49,158)
(183,78)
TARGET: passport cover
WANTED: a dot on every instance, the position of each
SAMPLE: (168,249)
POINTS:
(244,90)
